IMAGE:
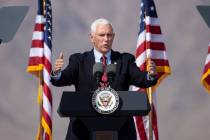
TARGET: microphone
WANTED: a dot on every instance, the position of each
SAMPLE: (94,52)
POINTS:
(98,71)
(111,72)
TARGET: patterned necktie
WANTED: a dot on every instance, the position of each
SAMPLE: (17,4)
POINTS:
(104,77)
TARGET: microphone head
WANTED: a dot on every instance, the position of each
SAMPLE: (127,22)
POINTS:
(111,69)
(97,68)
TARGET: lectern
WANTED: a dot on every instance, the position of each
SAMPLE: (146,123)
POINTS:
(78,104)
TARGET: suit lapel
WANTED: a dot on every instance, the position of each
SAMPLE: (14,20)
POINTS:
(116,59)
(90,61)
(89,67)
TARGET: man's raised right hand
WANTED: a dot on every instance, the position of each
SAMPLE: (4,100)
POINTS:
(58,64)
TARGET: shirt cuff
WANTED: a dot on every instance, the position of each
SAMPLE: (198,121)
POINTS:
(150,77)
(55,76)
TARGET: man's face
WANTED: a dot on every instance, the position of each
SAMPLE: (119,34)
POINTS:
(103,37)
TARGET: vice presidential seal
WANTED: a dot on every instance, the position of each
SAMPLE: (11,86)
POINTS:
(105,100)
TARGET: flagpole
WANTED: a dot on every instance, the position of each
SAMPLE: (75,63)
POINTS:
(149,90)
(150,113)
(149,93)
(41,129)
(40,102)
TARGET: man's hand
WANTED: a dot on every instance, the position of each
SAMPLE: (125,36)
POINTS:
(58,64)
(151,67)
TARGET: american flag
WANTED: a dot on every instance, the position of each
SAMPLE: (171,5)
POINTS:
(40,65)
(205,79)
(150,45)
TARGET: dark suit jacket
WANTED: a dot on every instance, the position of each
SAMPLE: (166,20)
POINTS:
(79,73)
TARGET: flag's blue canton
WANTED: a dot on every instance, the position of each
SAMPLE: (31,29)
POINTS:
(147,9)
(40,7)
(48,25)
(142,17)
(150,8)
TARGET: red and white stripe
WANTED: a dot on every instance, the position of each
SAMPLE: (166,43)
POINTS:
(37,48)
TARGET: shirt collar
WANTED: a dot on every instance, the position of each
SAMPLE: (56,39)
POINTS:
(98,55)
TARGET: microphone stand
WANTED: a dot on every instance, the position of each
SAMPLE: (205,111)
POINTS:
(98,80)
(110,78)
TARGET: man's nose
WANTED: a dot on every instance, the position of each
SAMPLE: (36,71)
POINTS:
(106,37)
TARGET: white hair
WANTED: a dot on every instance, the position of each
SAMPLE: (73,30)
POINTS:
(99,21)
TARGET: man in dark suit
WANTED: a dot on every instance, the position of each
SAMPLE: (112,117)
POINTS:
(79,73)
